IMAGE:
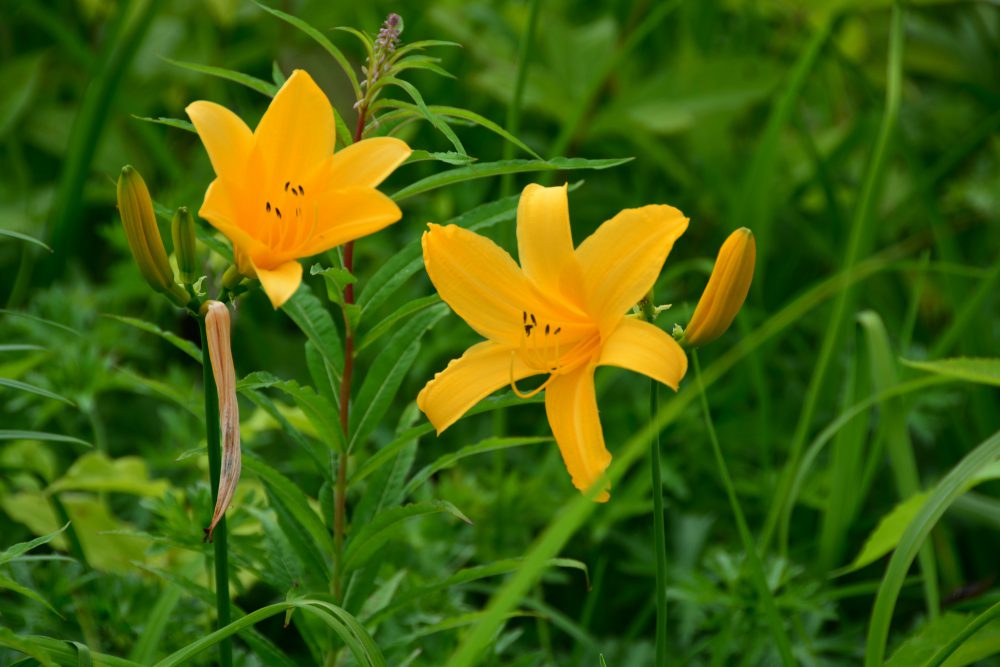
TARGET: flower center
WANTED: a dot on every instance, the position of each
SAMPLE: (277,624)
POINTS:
(289,218)
(544,348)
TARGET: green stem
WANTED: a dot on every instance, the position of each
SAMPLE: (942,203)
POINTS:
(659,536)
(513,122)
(756,566)
(220,541)
(858,246)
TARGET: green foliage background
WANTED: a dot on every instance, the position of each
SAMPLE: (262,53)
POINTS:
(740,114)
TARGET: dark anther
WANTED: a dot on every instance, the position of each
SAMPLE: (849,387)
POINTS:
(278,211)
(287,183)
(524,317)
(527,329)
(533,320)
(546,329)
(302,190)
(558,329)
(268,207)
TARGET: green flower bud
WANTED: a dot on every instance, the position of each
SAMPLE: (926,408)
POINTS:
(136,209)
(727,289)
(182,229)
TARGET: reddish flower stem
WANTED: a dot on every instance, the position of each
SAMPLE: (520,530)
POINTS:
(340,495)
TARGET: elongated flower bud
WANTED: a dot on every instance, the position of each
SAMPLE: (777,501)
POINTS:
(136,209)
(727,289)
(221,354)
(182,229)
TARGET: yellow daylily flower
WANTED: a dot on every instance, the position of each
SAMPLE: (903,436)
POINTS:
(561,313)
(281,193)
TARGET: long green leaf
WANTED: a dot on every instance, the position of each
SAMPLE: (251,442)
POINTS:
(384,527)
(252,82)
(283,491)
(493,444)
(487,169)
(982,371)
(335,622)
(32,389)
(315,321)
(185,346)
(388,372)
(322,40)
(24,237)
(947,491)
(8,434)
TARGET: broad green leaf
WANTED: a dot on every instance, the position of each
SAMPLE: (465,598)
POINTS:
(450,459)
(7,434)
(185,346)
(95,472)
(487,169)
(922,645)
(32,389)
(887,534)
(252,82)
(982,370)
(316,323)
(336,279)
(370,537)
(176,123)
(24,237)
(387,373)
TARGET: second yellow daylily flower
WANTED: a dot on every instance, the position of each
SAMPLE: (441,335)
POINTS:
(561,313)
(281,193)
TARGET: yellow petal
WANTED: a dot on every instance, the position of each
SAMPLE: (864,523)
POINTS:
(545,241)
(484,368)
(280,282)
(221,209)
(367,163)
(297,130)
(226,137)
(645,348)
(571,405)
(345,215)
(479,280)
(622,259)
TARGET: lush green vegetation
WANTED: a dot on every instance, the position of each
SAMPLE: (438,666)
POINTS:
(829,466)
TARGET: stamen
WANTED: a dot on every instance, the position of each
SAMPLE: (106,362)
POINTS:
(287,183)
(268,207)
(546,329)
(278,211)
(513,383)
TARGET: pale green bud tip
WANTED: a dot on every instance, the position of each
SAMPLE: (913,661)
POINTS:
(185,246)
(726,290)
(136,208)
